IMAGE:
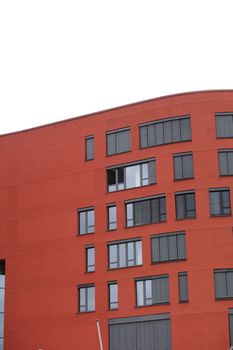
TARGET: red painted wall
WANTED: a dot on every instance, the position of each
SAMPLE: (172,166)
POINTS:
(44,178)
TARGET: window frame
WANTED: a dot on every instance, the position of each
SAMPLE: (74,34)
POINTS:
(184,193)
(87,138)
(110,303)
(222,114)
(180,275)
(88,266)
(117,131)
(182,155)
(109,223)
(222,271)
(127,260)
(87,226)
(85,287)
(227,151)
(222,208)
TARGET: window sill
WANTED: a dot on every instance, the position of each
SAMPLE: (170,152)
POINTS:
(186,178)
(140,306)
(125,267)
(220,215)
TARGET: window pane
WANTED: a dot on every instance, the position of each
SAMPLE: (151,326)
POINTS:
(175,130)
(82,296)
(151,134)
(180,207)
(151,171)
(215,208)
(224,126)
(140,294)
(172,247)
(90,221)
(181,245)
(138,252)
(188,166)
(142,212)
(229,284)
(148,289)
(130,254)
(155,249)
(183,286)
(220,285)
(113,291)
(159,135)
(226,202)
(132,176)
(167,132)
(143,136)
(113,256)
(230,162)
(111,180)
(1,325)
(129,208)
(120,179)
(111,144)
(91,298)
(91,259)
(185,129)
(82,222)
(1,344)
(178,169)
(122,254)
(2,281)
(190,205)
(163,247)
(89,148)
(145,174)
(123,141)
(112,218)
(223,167)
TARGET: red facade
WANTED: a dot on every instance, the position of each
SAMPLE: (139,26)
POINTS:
(45,179)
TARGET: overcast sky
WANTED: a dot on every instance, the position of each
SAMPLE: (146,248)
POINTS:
(62,58)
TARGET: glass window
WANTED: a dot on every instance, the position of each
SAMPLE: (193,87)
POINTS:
(183,166)
(113,295)
(86,298)
(225,161)
(220,203)
(168,247)
(224,125)
(183,287)
(185,205)
(90,259)
(125,254)
(112,217)
(223,280)
(118,141)
(89,144)
(86,221)
(153,290)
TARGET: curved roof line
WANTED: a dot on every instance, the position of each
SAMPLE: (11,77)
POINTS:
(118,107)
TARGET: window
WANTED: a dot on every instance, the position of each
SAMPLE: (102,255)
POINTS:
(153,290)
(2,301)
(90,259)
(223,280)
(86,298)
(220,203)
(86,221)
(113,295)
(183,287)
(183,166)
(165,131)
(230,315)
(89,144)
(185,205)
(224,124)
(112,217)
(225,161)
(118,141)
(130,176)
(124,254)
(146,211)
(168,247)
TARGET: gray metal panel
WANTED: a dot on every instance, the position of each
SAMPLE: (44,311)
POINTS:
(146,335)
(163,335)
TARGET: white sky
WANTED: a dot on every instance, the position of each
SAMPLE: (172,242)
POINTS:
(63,58)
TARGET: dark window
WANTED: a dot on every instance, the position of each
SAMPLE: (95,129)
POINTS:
(168,247)
(124,254)
(146,211)
(86,298)
(90,259)
(130,176)
(220,203)
(224,125)
(86,221)
(230,315)
(2,301)
(89,144)
(112,217)
(183,286)
(154,290)
(118,141)
(183,166)
(113,295)
(165,131)
(185,205)
(223,283)
(225,161)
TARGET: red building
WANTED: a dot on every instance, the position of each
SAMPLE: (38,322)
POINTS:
(122,216)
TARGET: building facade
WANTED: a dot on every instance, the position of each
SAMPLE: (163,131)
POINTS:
(116,227)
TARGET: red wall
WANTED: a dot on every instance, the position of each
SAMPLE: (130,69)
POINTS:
(44,178)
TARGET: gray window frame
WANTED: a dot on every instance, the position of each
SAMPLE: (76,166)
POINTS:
(85,287)
(228,130)
(120,186)
(88,227)
(111,223)
(181,158)
(183,287)
(180,247)
(89,147)
(89,267)
(146,299)
(221,202)
(162,216)
(226,153)
(118,261)
(113,305)
(116,134)
(151,127)
(184,195)
(226,287)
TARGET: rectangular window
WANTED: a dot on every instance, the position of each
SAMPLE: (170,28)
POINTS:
(86,221)
(146,211)
(118,141)
(225,162)
(153,290)
(168,247)
(230,315)
(112,217)
(113,295)
(2,301)
(185,205)
(165,131)
(90,259)
(183,166)
(223,280)
(124,254)
(183,287)
(220,202)
(86,298)
(130,176)
(224,124)
(89,147)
